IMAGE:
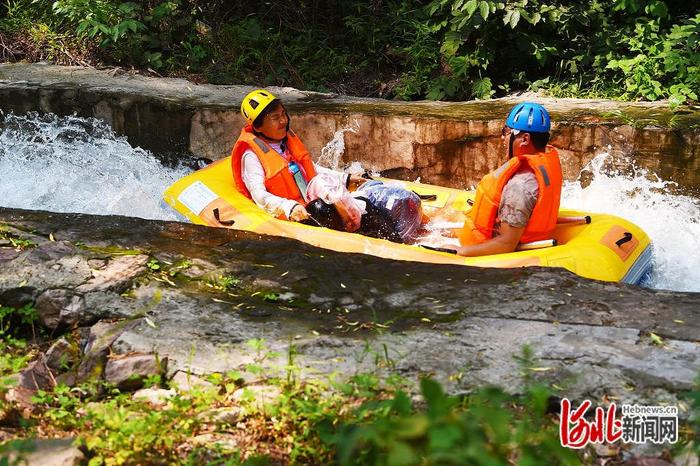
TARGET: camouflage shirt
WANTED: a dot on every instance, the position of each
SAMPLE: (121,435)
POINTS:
(518,200)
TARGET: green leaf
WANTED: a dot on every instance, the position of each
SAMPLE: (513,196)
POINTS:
(482,88)
(514,18)
(471,7)
(401,403)
(655,339)
(400,454)
(675,100)
(506,18)
(413,427)
(484,9)
(658,9)
(128,7)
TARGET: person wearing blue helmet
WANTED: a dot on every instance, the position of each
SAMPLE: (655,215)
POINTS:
(519,201)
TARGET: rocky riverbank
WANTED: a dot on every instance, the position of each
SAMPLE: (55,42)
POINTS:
(125,300)
(193,296)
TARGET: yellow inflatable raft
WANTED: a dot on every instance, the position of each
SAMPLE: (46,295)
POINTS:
(608,248)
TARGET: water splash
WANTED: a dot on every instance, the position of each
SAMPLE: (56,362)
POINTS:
(332,152)
(615,185)
(71,164)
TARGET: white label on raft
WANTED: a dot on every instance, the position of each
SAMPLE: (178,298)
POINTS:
(390,204)
(196,197)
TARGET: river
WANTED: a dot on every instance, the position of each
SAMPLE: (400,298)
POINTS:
(71,164)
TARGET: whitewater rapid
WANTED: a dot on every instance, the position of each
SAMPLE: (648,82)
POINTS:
(71,164)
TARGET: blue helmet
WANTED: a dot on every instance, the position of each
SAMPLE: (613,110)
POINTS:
(529,117)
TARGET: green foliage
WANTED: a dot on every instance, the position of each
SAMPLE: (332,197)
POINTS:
(119,430)
(694,418)
(366,420)
(483,429)
(15,352)
(656,59)
(14,320)
(405,49)
(60,405)
(298,414)
(106,21)
(15,240)
(153,264)
(14,452)
(224,283)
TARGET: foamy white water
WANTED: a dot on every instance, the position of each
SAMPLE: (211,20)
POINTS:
(671,219)
(71,164)
(333,150)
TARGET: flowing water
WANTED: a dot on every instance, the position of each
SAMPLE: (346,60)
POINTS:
(71,164)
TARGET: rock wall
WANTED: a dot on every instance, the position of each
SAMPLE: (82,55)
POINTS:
(451,144)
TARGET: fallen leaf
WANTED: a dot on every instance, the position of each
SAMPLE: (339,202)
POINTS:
(655,339)
(150,323)
(679,321)
(540,369)
(342,286)
(216,300)
(51,238)
(425,319)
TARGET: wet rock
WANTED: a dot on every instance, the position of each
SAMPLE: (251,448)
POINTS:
(17,297)
(186,382)
(116,276)
(225,415)
(21,398)
(100,338)
(53,265)
(198,269)
(461,324)
(128,373)
(60,355)
(36,376)
(57,307)
(221,443)
(108,305)
(53,452)
(7,255)
(157,397)
(258,395)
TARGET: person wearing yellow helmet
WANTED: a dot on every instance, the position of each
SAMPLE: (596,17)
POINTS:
(270,164)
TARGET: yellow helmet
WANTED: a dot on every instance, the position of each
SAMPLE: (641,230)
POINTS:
(254,103)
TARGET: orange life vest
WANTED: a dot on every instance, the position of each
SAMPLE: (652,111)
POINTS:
(278,179)
(479,225)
